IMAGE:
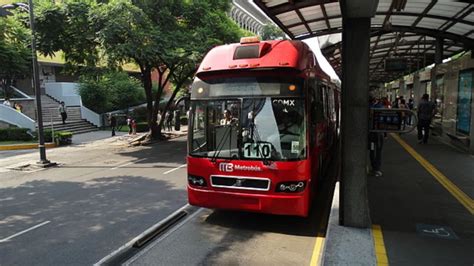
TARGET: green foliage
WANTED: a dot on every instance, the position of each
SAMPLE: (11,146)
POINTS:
(142,127)
(14,133)
(69,27)
(14,51)
(170,36)
(140,114)
(60,137)
(272,32)
(111,91)
(183,120)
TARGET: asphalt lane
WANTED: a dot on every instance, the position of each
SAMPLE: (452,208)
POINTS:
(79,212)
(219,237)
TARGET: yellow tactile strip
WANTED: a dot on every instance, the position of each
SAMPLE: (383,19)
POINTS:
(457,193)
(317,251)
(380,252)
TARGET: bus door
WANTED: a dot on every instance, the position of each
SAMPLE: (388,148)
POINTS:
(317,128)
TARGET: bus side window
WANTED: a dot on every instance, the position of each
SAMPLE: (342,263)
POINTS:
(320,112)
(324,93)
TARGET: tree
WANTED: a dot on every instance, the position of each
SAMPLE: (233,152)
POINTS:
(110,91)
(69,27)
(169,36)
(15,54)
(272,32)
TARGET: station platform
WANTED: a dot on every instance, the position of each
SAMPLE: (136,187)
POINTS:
(422,208)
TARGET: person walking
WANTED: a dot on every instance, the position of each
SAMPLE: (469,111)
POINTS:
(63,112)
(134,126)
(404,117)
(375,143)
(426,111)
(129,124)
(113,124)
(410,106)
(7,102)
(169,120)
(18,107)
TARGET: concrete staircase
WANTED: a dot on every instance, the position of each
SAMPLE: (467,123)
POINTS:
(74,122)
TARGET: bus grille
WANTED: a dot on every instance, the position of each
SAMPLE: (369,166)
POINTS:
(240,182)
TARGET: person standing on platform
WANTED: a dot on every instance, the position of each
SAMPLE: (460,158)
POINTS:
(375,143)
(410,106)
(63,112)
(426,111)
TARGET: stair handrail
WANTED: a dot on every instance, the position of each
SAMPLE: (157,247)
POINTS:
(67,92)
(13,117)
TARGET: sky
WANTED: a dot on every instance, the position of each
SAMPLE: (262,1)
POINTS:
(313,43)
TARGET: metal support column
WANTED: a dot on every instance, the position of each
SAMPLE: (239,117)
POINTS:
(354,125)
(434,71)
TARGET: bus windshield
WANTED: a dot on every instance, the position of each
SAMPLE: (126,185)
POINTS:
(249,128)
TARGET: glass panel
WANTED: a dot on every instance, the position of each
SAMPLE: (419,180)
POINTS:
(249,128)
(311,12)
(289,18)
(215,128)
(438,119)
(276,121)
(465,87)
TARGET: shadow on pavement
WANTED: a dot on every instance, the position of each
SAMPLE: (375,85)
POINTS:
(88,219)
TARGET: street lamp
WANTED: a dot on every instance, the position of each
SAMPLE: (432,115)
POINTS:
(36,85)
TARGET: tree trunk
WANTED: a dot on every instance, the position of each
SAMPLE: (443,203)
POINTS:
(147,84)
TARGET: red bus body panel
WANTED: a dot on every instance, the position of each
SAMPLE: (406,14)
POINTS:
(250,200)
(280,58)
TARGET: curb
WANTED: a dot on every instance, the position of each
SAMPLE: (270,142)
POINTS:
(346,245)
(24,146)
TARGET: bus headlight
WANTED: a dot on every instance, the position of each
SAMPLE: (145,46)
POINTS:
(196,181)
(291,187)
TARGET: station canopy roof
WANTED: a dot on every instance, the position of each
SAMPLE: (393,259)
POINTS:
(399,29)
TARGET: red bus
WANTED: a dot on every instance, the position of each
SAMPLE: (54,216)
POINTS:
(263,119)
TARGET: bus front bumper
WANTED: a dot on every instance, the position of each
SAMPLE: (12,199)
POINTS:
(284,204)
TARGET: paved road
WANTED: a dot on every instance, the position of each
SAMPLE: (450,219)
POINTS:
(103,195)
(99,198)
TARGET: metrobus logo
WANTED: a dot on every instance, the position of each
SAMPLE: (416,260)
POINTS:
(226,167)
(230,167)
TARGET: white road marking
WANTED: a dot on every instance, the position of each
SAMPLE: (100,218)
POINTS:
(129,163)
(174,169)
(24,231)
(161,238)
(131,242)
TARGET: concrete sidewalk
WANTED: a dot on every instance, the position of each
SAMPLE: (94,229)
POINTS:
(421,210)
(85,138)
(81,143)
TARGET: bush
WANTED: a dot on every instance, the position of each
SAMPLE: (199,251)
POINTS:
(140,114)
(111,91)
(63,138)
(60,137)
(14,133)
(142,127)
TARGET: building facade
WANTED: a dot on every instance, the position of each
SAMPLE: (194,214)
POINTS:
(248,17)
